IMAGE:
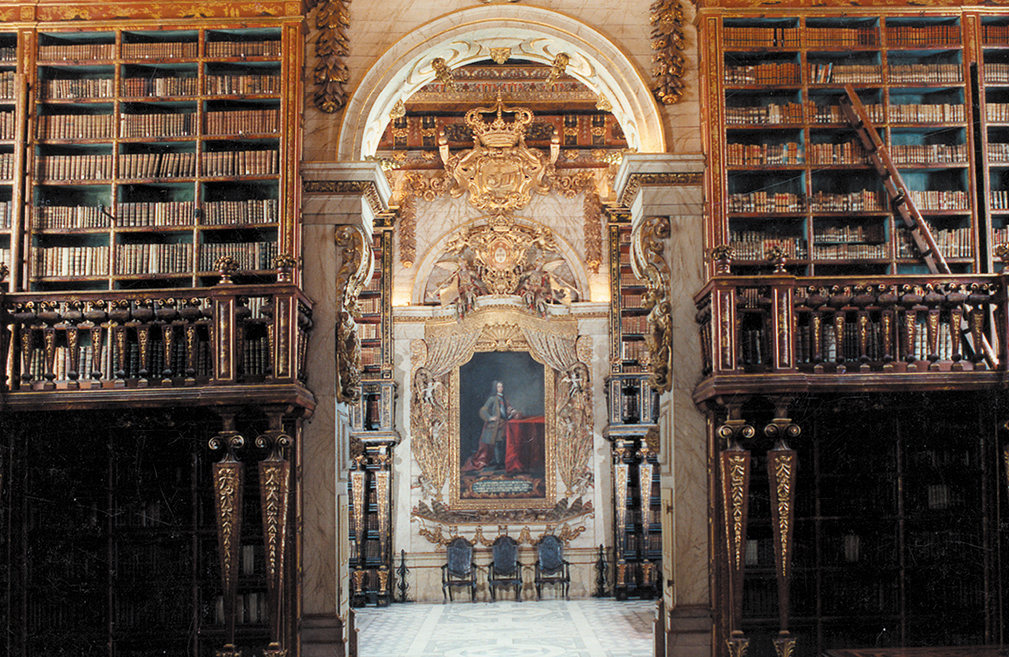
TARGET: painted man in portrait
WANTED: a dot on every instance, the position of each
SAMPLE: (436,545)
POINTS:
(495,413)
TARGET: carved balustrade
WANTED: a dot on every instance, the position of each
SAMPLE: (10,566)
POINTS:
(228,334)
(803,328)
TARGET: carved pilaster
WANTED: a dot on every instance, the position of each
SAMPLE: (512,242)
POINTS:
(274,495)
(228,488)
(734,463)
(649,261)
(357,261)
(782,462)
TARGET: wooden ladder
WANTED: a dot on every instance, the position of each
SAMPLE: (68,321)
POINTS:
(900,199)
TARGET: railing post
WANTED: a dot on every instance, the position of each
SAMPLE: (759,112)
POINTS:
(723,314)
(782,322)
(225,323)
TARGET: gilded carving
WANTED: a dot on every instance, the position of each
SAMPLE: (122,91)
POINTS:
(357,500)
(364,188)
(332,19)
(668,42)
(574,420)
(563,510)
(737,646)
(228,488)
(500,55)
(560,63)
(650,264)
(736,472)
(638,180)
(784,646)
(500,172)
(356,266)
(443,73)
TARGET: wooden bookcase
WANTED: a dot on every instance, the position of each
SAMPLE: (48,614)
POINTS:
(795,174)
(152,153)
(890,531)
(628,318)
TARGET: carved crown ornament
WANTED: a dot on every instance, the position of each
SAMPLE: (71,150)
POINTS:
(500,172)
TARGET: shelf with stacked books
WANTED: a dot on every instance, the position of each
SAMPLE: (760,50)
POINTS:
(182,131)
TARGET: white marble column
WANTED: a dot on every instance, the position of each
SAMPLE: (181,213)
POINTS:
(671,186)
(332,195)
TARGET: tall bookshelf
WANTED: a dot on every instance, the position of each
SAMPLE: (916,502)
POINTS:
(795,174)
(155,152)
(628,318)
(889,531)
(12,116)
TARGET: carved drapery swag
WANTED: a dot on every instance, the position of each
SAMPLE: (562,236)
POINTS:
(449,344)
(649,263)
(332,19)
(357,262)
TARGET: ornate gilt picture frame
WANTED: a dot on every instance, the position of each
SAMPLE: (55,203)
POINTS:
(509,462)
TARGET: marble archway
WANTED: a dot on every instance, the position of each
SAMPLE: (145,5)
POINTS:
(467,36)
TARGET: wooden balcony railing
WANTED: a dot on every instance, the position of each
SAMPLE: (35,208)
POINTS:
(166,339)
(897,331)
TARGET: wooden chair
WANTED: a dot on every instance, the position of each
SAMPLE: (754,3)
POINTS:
(551,567)
(459,569)
(505,569)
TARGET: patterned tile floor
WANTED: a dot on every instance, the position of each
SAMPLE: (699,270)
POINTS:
(548,628)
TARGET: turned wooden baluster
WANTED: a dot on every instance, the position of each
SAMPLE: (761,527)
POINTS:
(862,299)
(191,314)
(142,314)
(228,488)
(782,462)
(119,313)
(274,495)
(94,315)
(24,318)
(978,300)
(888,325)
(933,299)
(49,315)
(167,315)
(816,300)
(734,464)
(911,301)
(72,316)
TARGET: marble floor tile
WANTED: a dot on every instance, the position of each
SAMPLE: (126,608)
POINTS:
(548,628)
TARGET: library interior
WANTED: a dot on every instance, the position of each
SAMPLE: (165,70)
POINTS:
(308,308)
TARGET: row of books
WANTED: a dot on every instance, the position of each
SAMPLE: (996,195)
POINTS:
(997,112)
(999,199)
(249,608)
(834,37)
(996,72)
(371,356)
(7,125)
(748,154)
(370,305)
(849,152)
(761,37)
(243,48)
(161,50)
(6,85)
(834,113)
(252,211)
(367,331)
(998,152)
(938,113)
(772,113)
(929,153)
(157,165)
(634,350)
(6,166)
(56,217)
(243,122)
(67,51)
(153,258)
(861,201)
(929,73)
(102,126)
(76,126)
(927,35)
(849,234)
(152,87)
(248,255)
(72,89)
(627,277)
(86,51)
(845,73)
(936,199)
(74,167)
(240,163)
(88,365)
(952,243)
(851,347)
(766,202)
(256,356)
(851,251)
(632,301)
(753,245)
(634,324)
(768,73)
(56,261)
(243,84)
(157,125)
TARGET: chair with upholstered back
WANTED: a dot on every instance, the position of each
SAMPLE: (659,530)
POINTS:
(459,569)
(551,567)
(505,569)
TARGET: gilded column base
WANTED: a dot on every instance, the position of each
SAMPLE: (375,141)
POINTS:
(737,645)
(275,651)
(784,645)
(228,651)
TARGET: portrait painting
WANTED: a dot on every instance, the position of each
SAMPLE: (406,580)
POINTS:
(503,439)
